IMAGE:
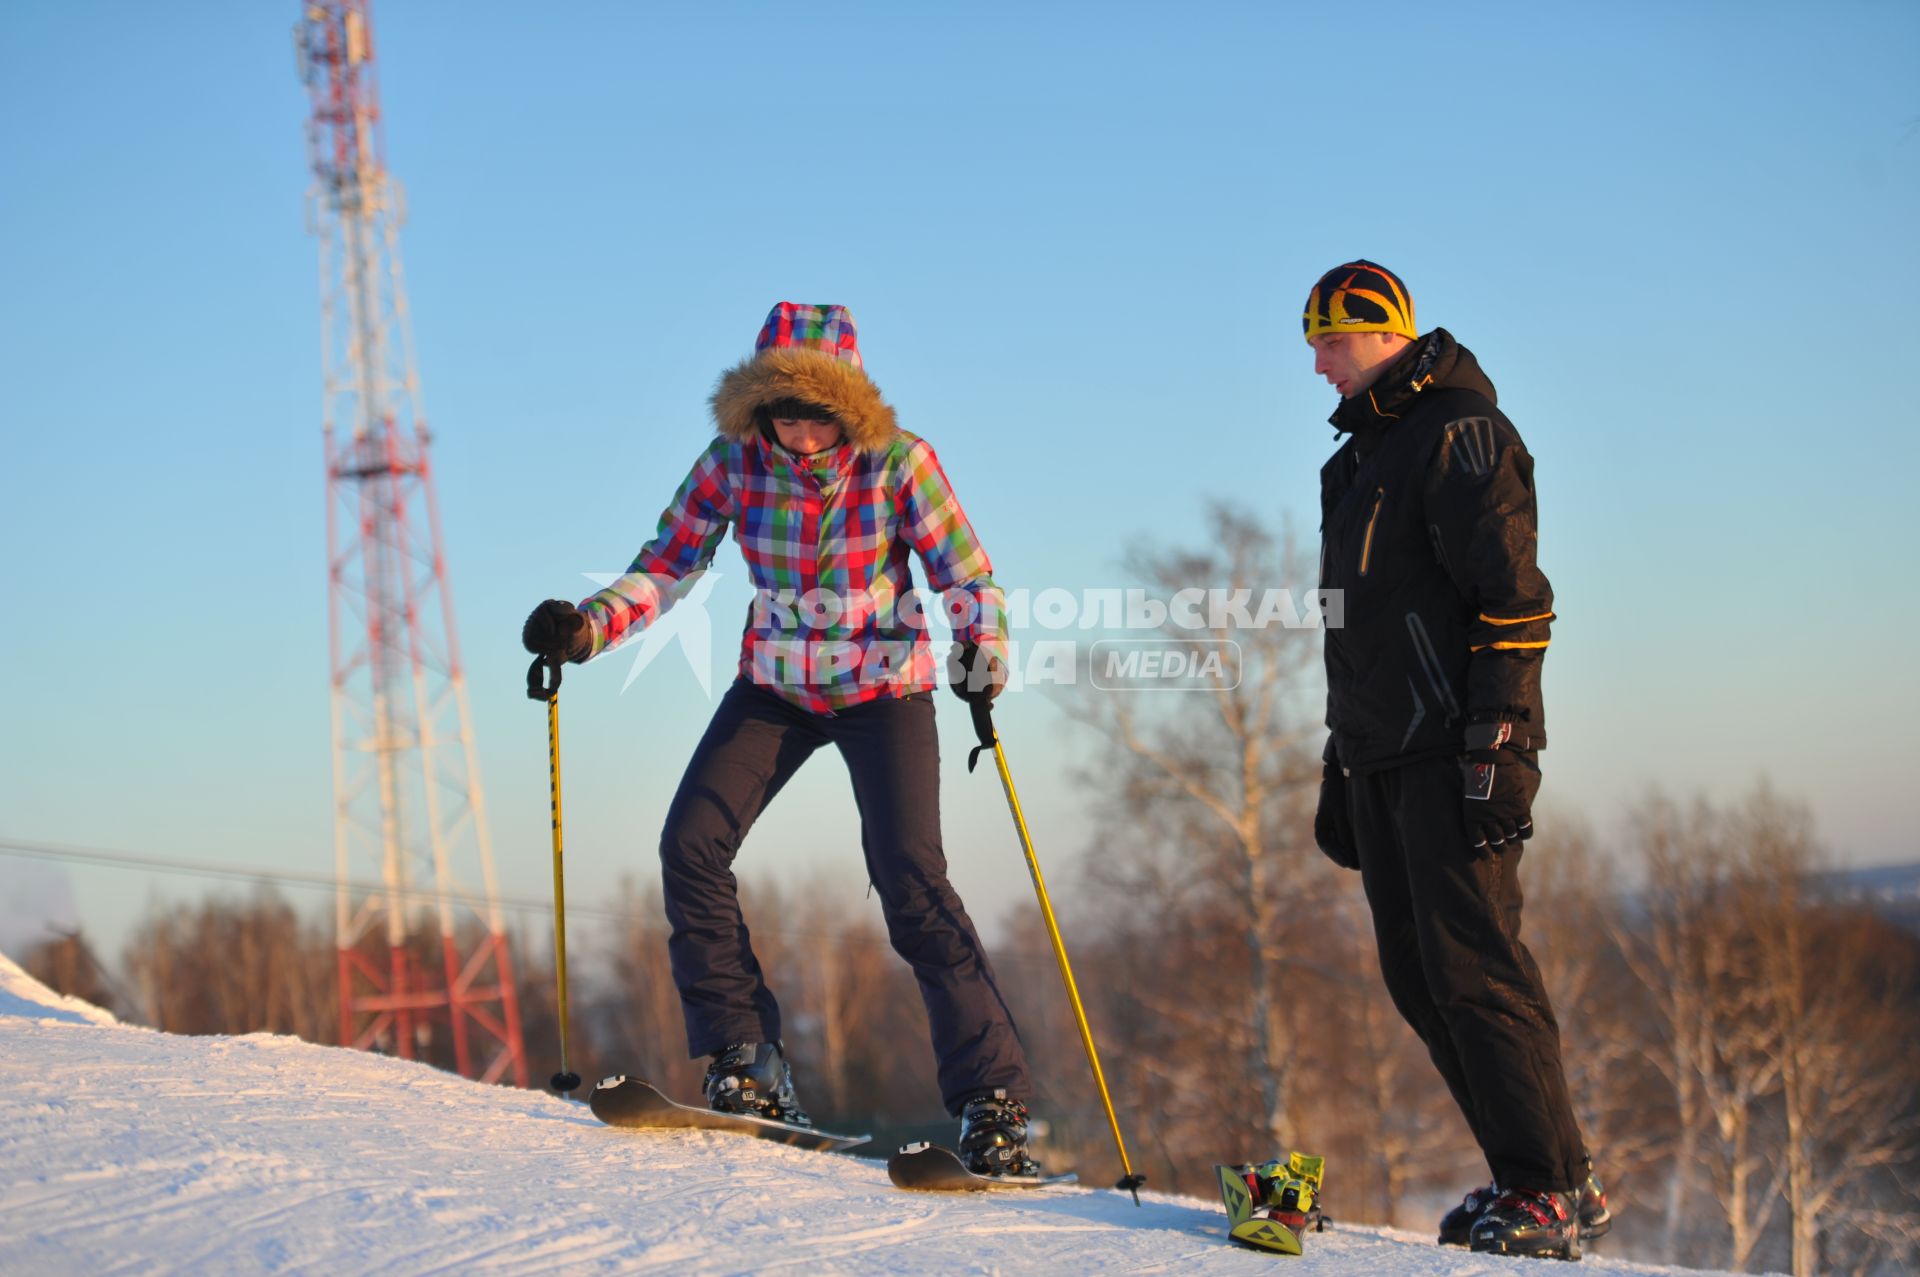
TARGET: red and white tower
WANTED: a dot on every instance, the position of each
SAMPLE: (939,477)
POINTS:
(424,967)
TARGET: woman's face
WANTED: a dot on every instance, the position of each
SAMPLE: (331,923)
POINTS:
(806,435)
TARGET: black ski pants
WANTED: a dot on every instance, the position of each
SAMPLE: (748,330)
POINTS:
(753,746)
(1447,923)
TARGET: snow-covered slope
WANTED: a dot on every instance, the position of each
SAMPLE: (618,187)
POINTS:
(123,1150)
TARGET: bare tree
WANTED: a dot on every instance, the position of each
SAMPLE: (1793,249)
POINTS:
(1781,1028)
(1575,905)
(66,963)
(1838,992)
(1233,966)
(1686,955)
(1235,766)
(854,1025)
(633,1022)
(231,967)
(1396,1125)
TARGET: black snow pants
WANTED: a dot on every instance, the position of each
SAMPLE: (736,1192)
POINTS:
(753,746)
(1447,923)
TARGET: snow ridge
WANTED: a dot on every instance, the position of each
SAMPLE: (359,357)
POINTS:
(23,996)
(127,1150)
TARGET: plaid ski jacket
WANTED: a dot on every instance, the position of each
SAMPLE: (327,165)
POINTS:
(835,620)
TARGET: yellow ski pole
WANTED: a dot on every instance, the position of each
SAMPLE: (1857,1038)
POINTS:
(983,728)
(565,1081)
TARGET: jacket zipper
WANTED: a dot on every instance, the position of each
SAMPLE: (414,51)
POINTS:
(1366,542)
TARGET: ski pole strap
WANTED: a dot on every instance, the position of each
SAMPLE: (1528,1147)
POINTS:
(982,711)
(537,689)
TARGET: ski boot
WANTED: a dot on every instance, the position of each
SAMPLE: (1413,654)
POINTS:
(993,1136)
(752,1079)
(1271,1204)
(1536,1223)
(1590,1207)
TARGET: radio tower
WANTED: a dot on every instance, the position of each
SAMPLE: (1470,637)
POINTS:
(409,820)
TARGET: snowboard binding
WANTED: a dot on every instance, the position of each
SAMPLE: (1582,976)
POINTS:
(1271,1204)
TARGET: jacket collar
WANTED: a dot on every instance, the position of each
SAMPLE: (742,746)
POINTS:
(1420,366)
(832,468)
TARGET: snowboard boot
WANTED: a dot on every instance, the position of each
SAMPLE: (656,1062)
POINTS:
(1536,1223)
(1589,1201)
(993,1136)
(752,1079)
(1289,1191)
(1456,1226)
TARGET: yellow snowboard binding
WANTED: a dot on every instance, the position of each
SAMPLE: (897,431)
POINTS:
(1271,1204)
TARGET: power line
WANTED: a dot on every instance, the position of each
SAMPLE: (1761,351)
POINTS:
(217,871)
(243,873)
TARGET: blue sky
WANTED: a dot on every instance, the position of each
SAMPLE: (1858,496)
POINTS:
(1076,239)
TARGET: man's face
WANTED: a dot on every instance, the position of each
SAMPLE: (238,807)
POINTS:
(805,435)
(1351,361)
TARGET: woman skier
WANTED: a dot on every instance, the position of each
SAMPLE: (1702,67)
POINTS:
(828,499)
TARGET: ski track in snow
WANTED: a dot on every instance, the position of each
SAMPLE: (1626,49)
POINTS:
(125,1151)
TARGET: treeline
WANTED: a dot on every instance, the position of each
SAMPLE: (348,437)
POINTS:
(1740,1047)
(1741,1051)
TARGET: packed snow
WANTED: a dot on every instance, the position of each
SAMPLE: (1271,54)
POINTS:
(123,1150)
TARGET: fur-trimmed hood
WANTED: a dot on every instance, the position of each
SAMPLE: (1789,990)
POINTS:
(813,375)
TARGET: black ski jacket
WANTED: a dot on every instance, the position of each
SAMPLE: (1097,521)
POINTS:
(1427,534)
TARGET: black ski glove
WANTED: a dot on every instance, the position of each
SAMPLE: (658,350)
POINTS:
(1500,784)
(975,675)
(1332,823)
(556,631)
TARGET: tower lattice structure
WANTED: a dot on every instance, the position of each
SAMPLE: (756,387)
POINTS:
(424,967)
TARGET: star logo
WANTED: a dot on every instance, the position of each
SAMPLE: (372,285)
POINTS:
(682,620)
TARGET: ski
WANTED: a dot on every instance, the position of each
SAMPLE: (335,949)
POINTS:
(629,1102)
(928,1168)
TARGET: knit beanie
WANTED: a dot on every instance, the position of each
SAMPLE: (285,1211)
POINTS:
(797,410)
(1359,297)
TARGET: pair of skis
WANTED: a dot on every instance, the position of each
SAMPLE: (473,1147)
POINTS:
(629,1102)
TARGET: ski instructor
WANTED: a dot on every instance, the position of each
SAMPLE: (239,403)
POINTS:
(1432,764)
(828,499)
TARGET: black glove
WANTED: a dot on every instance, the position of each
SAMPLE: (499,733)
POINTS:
(975,675)
(1500,784)
(1332,823)
(556,631)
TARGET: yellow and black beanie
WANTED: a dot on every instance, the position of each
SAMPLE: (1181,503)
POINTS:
(1359,297)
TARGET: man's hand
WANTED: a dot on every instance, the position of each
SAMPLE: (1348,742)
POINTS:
(1500,784)
(975,674)
(556,631)
(1332,825)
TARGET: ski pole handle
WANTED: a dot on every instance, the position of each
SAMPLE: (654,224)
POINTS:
(537,689)
(982,711)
